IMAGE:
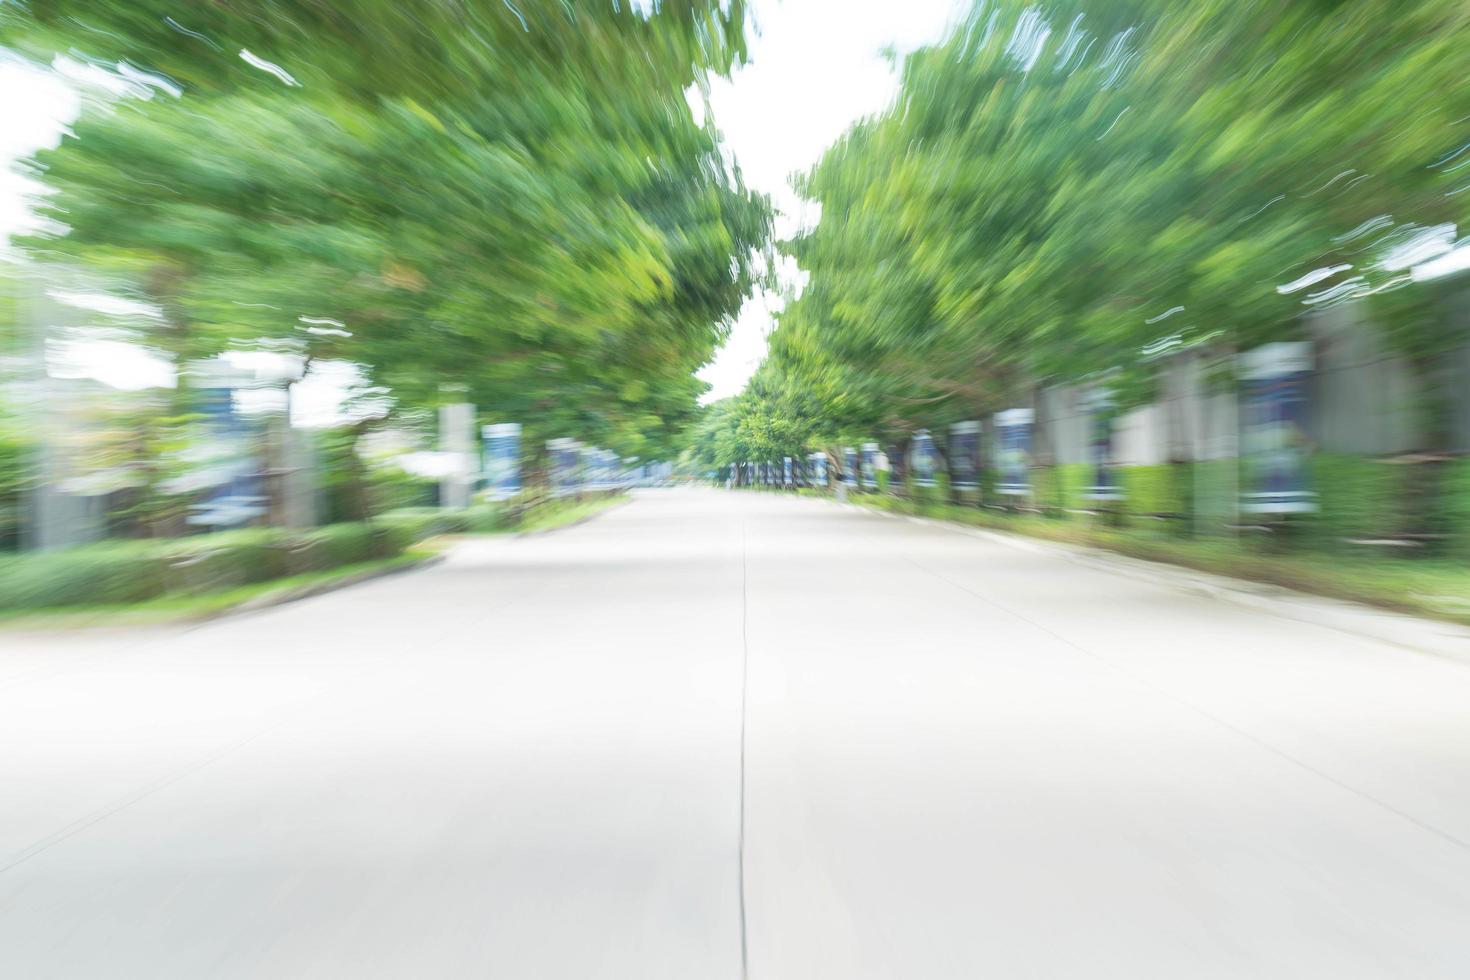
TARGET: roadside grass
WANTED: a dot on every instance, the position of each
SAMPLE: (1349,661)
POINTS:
(559,514)
(1438,588)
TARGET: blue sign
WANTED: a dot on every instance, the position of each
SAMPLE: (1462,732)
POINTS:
(238,495)
(964,455)
(1276,442)
(1100,448)
(849,466)
(817,466)
(896,460)
(870,466)
(502,444)
(565,464)
(926,461)
(1013,436)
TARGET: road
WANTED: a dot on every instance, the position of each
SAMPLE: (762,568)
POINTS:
(962,757)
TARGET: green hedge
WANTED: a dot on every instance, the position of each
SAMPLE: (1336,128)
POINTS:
(101,573)
(1357,497)
(937,494)
(120,572)
(1062,487)
(1158,489)
(1455,506)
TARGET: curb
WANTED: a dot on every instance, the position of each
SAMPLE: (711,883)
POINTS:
(1416,633)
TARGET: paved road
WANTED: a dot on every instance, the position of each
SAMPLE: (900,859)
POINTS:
(964,758)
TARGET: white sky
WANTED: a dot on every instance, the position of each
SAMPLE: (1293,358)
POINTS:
(816,67)
(34,106)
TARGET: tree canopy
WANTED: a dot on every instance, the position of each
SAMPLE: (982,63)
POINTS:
(515,200)
(1060,188)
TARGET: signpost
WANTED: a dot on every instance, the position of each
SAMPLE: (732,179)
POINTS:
(870,466)
(1100,410)
(1013,436)
(564,462)
(502,443)
(229,464)
(817,467)
(925,458)
(1275,440)
(964,457)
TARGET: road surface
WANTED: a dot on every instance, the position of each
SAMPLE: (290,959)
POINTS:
(962,757)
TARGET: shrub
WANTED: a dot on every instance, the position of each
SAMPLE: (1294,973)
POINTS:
(1357,497)
(113,572)
(1156,489)
(328,547)
(119,572)
(225,560)
(1455,505)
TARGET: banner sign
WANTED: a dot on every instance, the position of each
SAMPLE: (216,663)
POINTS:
(565,462)
(818,469)
(896,463)
(870,466)
(925,456)
(964,455)
(1276,443)
(849,466)
(586,467)
(502,446)
(1101,412)
(1013,439)
(227,465)
(788,471)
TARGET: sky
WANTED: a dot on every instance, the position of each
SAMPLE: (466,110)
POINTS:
(33,108)
(817,66)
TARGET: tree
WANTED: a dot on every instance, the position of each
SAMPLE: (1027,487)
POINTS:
(514,200)
(1060,186)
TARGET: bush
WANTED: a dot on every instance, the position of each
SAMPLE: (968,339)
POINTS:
(484,518)
(102,573)
(1060,487)
(936,495)
(1455,506)
(410,525)
(1357,497)
(328,547)
(120,572)
(225,560)
(1156,489)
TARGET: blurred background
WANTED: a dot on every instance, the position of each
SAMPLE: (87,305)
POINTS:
(296,285)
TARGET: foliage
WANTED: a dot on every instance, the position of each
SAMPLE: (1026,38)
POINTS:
(514,202)
(1066,188)
(15,472)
